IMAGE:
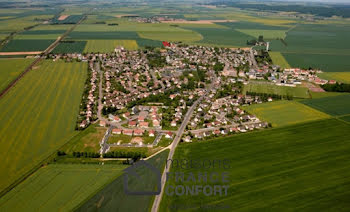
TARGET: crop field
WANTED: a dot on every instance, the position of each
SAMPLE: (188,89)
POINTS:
(346,118)
(338,76)
(222,37)
(112,35)
(72,19)
(38,116)
(146,42)
(299,92)
(268,34)
(320,45)
(87,140)
(333,105)
(318,95)
(10,69)
(107,46)
(113,198)
(282,113)
(302,167)
(59,186)
(70,47)
(26,45)
(278,59)
(181,35)
(40,34)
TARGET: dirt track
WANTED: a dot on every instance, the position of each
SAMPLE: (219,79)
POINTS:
(18,53)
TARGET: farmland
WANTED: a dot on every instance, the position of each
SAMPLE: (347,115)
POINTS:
(302,167)
(107,46)
(26,45)
(282,113)
(114,198)
(316,45)
(299,92)
(333,105)
(346,118)
(10,69)
(338,76)
(278,59)
(70,47)
(38,116)
(59,186)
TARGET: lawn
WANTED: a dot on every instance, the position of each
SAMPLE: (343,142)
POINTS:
(297,168)
(125,139)
(59,187)
(38,116)
(333,105)
(259,87)
(113,198)
(278,59)
(282,113)
(10,69)
(107,46)
(87,140)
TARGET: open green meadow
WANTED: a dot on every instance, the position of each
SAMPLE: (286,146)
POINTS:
(346,118)
(107,46)
(87,140)
(38,116)
(10,69)
(258,87)
(317,95)
(59,186)
(26,45)
(333,105)
(282,113)
(113,197)
(278,59)
(302,167)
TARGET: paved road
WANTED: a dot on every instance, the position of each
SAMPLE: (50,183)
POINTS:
(252,59)
(103,143)
(100,93)
(173,146)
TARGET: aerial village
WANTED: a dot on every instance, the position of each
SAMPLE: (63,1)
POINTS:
(144,96)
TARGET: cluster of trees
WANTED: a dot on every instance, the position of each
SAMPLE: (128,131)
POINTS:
(161,98)
(86,155)
(265,96)
(338,87)
(61,153)
(156,59)
(227,90)
(124,154)
(263,56)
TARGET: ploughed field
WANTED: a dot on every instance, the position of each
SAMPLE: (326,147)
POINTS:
(38,116)
(61,187)
(304,167)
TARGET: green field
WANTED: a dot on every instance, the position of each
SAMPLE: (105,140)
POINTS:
(278,59)
(180,35)
(282,113)
(317,95)
(87,140)
(107,46)
(298,168)
(334,105)
(338,76)
(113,198)
(26,45)
(258,87)
(322,46)
(346,118)
(38,116)
(70,47)
(268,34)
(59,187)
(10,69)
